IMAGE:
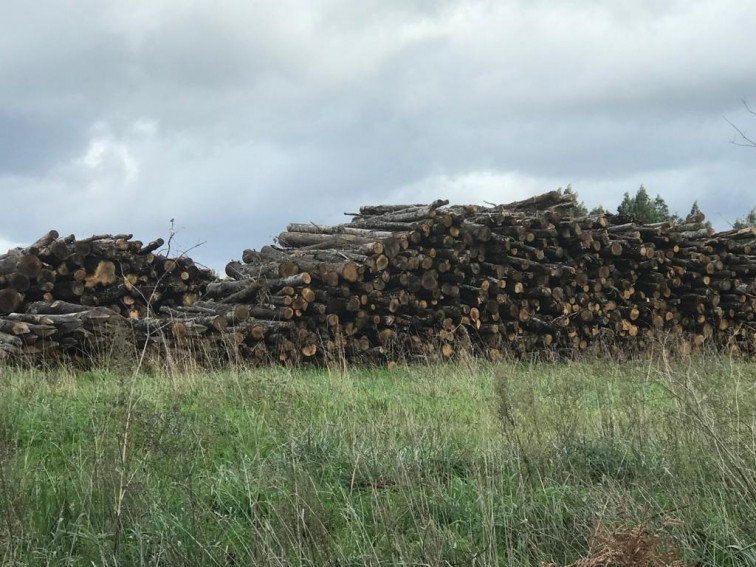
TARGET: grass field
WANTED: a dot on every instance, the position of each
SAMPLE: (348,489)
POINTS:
(462,464)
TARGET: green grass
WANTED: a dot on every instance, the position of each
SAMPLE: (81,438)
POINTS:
(463,464)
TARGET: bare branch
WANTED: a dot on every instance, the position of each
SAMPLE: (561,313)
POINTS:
(749,142)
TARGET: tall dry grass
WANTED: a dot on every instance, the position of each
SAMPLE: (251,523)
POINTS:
(468,463)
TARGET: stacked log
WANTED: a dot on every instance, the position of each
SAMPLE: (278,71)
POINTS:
(62,293)
(520,277)
(402,281)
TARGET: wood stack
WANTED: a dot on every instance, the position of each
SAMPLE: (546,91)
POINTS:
(62,293)
(521,277)
(404,281)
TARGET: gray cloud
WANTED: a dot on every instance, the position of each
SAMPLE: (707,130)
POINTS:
(237,119)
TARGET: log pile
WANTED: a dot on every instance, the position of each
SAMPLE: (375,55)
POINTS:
(64,293)
(521,277)
(402,281)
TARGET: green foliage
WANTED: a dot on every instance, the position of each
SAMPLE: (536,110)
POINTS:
(462,464)
(643,209)
(640,207)
(748,221)
(601,460)
(695,212)
(580,210)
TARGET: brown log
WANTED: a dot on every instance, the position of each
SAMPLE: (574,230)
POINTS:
(10,300)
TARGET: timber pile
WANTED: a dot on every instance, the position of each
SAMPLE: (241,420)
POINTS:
(401,281)
(521,277)
(67,293)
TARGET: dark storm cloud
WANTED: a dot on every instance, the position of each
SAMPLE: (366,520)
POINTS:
(237,118)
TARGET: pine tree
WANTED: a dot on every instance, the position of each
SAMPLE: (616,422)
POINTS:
(748,221)
(641,208)
(579,208)
(695,212)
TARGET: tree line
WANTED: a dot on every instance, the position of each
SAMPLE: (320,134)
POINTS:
(642,208)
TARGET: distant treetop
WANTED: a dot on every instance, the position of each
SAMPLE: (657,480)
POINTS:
(580,209)
(748,221)
(644,209)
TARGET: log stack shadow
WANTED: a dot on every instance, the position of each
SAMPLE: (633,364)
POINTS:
(400,281)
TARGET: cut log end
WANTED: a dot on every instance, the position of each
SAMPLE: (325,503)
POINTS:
(309,350)
(104,274)
(10,300)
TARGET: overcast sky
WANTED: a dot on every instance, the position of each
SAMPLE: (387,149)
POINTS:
(236,117)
